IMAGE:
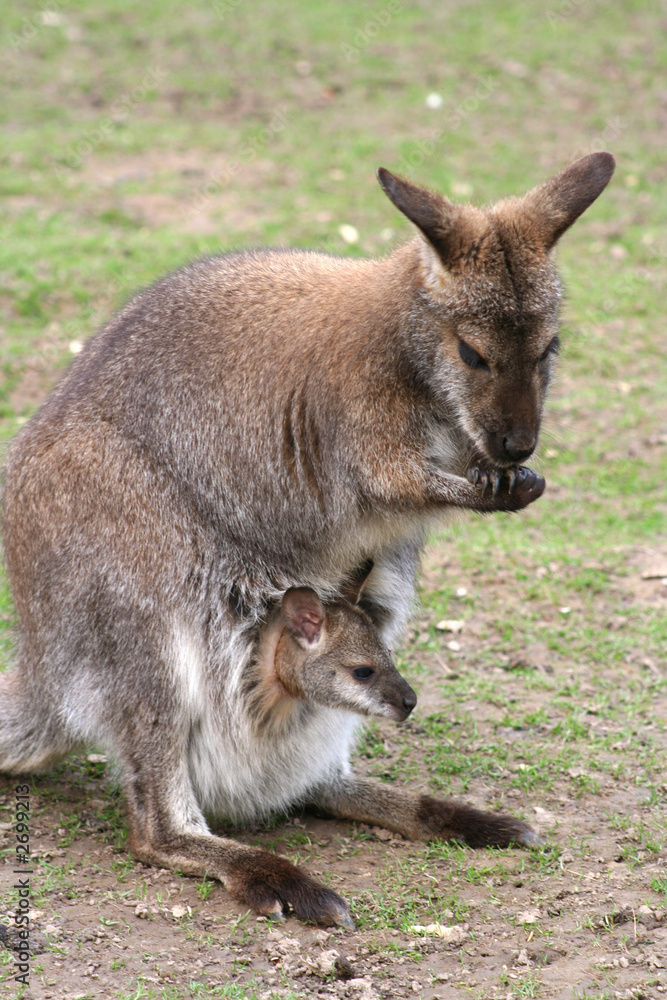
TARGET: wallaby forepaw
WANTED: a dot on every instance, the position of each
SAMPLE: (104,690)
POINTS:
(273,887)
(506,489)
(528,485)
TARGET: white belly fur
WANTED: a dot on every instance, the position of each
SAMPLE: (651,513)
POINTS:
(239,771)
(238,775)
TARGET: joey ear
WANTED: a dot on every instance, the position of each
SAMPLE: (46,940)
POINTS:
(554,205)
(352,588)
(303,614)
(450,229)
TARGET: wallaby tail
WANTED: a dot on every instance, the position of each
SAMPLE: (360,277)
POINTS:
(29,740)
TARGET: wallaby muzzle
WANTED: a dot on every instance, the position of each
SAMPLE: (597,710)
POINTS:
(512,446)
(400,701)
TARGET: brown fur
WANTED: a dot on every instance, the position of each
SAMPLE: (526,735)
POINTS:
(254,423)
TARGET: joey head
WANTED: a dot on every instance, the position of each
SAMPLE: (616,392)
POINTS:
(338,659)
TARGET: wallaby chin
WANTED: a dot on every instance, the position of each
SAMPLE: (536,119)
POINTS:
(394,712)
(246,442)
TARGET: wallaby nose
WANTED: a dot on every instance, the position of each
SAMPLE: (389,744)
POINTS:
(519,445)
(399,700)
(409,701)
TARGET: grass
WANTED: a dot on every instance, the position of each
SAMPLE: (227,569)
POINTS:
(195,990)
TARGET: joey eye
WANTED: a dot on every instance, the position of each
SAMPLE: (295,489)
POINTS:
(470,357)
(362,673)
(553,348)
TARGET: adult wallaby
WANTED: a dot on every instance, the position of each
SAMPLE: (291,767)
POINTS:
(250,424)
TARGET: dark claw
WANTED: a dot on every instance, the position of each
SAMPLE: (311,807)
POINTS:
(531,840)
(343,919)
(523,485)
(529,479)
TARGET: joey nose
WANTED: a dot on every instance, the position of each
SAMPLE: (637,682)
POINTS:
(519,445)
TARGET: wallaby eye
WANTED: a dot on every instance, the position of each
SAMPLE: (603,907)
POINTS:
(553,348)
(470,357)
(362,673)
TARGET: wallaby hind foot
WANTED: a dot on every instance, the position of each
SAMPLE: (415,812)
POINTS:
(269,884)
(168,829)
(421,817)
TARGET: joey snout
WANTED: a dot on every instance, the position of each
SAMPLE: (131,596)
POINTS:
(366,690)
(397,699)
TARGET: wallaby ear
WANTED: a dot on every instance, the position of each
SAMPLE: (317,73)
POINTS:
(352,588)
(450,229)
(558,202)
(303,614)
